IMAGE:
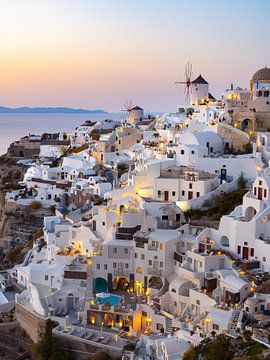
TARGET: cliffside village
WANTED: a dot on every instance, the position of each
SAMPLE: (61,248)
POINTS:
(121,266)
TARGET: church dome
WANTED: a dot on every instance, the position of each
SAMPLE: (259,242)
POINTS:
(262,74)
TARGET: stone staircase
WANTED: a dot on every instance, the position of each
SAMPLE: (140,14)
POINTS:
(168,325)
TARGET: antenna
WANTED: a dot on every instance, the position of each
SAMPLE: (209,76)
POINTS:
(187,82)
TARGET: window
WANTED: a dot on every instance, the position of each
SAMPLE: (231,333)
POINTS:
(198,302)
(161,246)
(173,193)
(265,193)
(98,266)
(126,266)
(142,256)
(192,152)
(175,303)
(150,262)
(139,270)
(264,258)
(101,157)
(125,250)
(260,182)
(161,264)
(255,191)
(182,152)
(103,223)
(114,265)
(198,194)
(105,266)
(238,249)
(190,185)
(215,327)
(114,250)
(251,251)
(46,277)
(159,193)
(136,255)
(183,192)
(173,290)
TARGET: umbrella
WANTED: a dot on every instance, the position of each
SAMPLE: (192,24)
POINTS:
(103,295)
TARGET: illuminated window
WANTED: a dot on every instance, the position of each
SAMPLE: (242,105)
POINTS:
(139,270)
(161,246)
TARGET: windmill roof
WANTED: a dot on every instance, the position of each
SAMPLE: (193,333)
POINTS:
(136,108)
(199,80)
(211,97)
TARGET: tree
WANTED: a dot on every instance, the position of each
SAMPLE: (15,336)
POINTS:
(190,354)
(35,205)
(47,348)
(215,349)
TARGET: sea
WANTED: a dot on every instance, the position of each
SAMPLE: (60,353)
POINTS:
(14,126)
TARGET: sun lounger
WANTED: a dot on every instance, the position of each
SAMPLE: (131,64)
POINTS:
(89,336)
(106,339)
(96,337)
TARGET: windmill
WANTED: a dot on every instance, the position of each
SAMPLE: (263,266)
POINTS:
(127,109)
(187,82)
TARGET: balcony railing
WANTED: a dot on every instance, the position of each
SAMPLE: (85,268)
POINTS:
(153,271)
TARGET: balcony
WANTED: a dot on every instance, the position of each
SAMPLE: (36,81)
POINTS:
(156,272)
(121,272)
(153,247)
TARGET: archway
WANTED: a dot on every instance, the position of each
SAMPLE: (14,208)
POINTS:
(100,285)
(246,124)
(155,282)
(121,284)
(224,241)
(250,213)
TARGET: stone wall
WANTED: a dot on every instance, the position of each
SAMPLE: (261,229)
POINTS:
(32,323)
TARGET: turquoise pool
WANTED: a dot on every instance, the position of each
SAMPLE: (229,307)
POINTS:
(112,299)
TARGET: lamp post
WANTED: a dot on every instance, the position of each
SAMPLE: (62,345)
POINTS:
(101,328)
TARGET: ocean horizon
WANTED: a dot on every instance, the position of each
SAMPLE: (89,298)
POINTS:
(14,126)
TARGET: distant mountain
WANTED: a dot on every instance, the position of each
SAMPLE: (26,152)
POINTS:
(48,110)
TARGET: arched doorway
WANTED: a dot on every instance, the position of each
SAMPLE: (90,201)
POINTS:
(100,285)
(246,124)
(121,284)
(224,241)
(250,213)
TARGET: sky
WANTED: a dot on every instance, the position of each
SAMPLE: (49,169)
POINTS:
(100,53)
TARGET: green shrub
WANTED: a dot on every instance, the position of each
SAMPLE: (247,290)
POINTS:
(35,205)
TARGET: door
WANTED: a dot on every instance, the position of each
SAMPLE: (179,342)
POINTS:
(245,253)
(166,195)
(190,195)
(260,190)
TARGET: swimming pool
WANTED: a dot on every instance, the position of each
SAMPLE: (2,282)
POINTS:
(112,299)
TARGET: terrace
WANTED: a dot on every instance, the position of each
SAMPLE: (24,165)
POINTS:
(186,173)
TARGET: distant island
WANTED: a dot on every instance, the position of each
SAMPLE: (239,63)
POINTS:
(48,110)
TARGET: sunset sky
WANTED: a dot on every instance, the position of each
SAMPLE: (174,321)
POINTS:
(99,53)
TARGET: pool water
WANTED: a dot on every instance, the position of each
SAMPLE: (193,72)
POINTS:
(112,299)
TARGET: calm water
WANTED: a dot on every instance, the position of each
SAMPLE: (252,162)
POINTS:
(14,126)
